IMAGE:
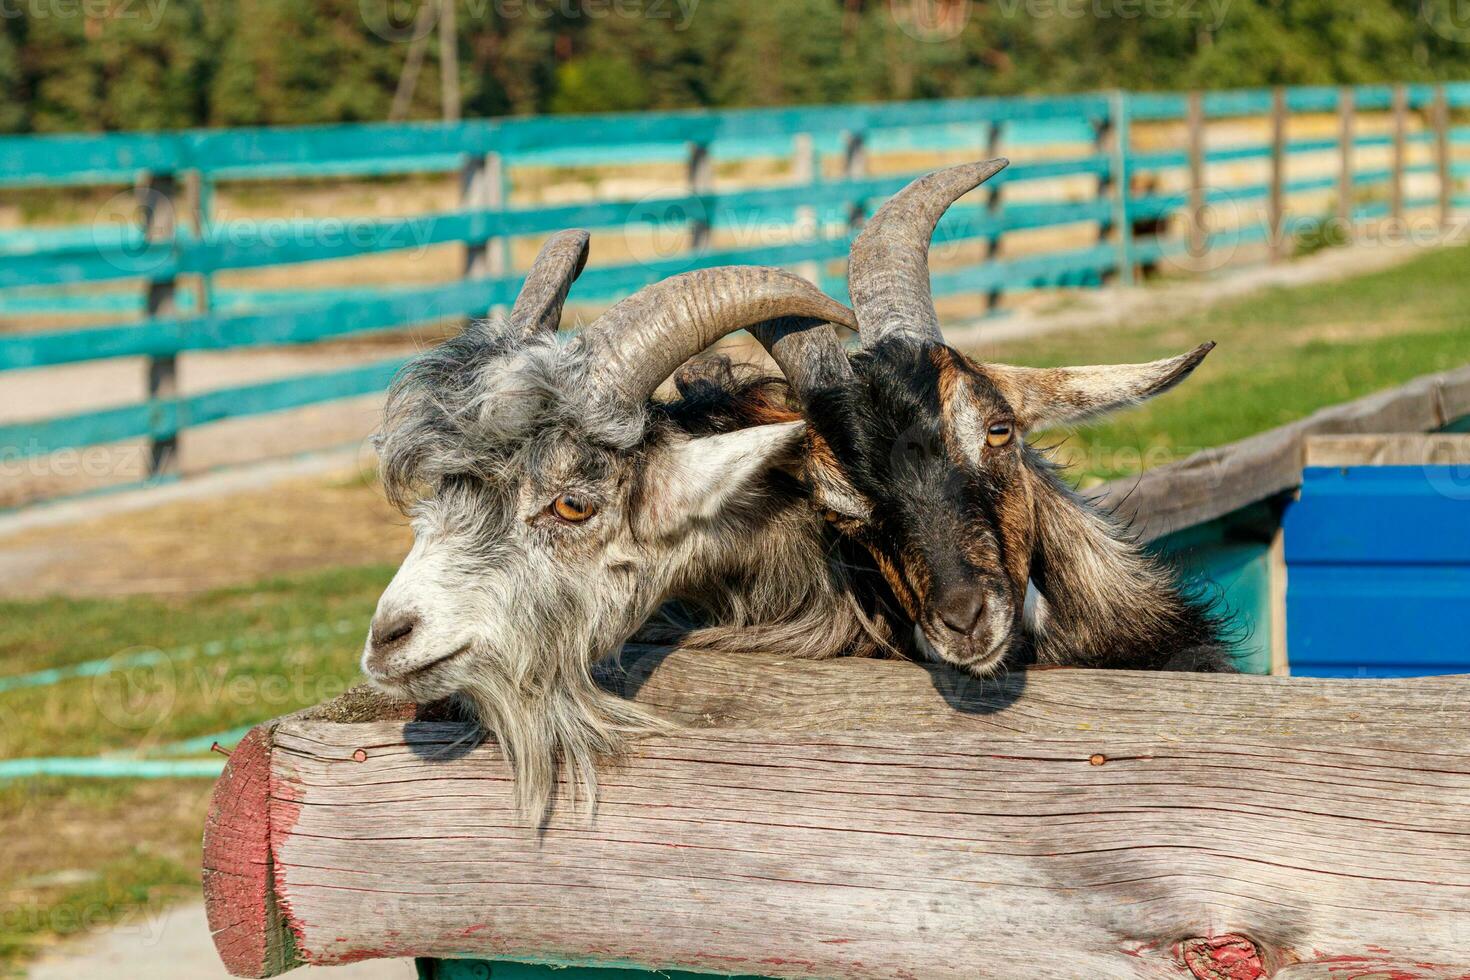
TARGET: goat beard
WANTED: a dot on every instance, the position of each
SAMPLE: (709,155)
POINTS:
(550,717)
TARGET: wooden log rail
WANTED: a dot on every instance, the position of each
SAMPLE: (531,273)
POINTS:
(875,819)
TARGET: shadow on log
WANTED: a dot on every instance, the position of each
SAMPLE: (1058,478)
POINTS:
(870,819)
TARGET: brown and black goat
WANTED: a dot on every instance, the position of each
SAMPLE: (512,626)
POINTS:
(920,453)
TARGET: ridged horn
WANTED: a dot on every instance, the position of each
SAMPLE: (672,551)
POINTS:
(808,353)
(888,270)
(561,260)
(639,341)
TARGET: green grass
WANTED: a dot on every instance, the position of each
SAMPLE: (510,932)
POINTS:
(1283,354)
(269,657)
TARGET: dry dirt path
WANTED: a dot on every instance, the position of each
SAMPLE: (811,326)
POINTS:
(176,945)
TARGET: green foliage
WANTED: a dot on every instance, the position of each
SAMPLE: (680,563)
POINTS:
(193,62)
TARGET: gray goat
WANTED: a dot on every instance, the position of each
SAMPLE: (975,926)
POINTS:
(556,507)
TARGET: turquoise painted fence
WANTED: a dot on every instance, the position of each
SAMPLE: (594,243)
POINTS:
(138,275)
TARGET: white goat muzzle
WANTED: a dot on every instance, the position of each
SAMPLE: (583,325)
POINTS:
(414,643)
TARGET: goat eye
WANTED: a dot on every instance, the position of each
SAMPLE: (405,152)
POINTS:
(572,508)
(999,434)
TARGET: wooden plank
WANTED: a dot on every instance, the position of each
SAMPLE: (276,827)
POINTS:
(1195,125)
(158,205)
(1400,152)
(1048,824)
(1276,202)
(1114,139)
(245,920)
(1398,449)
(255,244)
(1346,121)
(1443,155)
(163,419)
(1219,481)
(701,177)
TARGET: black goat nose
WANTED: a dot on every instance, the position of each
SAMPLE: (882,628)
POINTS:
(960,608)
(390,632)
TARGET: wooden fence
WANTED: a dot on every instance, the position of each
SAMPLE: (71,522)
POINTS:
(1138,194)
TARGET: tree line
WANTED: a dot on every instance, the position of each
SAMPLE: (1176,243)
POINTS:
(82,65)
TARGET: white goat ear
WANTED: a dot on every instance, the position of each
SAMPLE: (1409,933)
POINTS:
(699,479)
(1043,397)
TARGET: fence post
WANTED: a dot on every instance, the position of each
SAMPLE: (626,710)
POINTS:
(1276,203)
(1198,240)
(1442,155)
(1346,119)
(482,187)
(199,198)
(993,208)
(854,167)
(701,180)
(1113,139)
(1400,154)
(157,198)
(806,165)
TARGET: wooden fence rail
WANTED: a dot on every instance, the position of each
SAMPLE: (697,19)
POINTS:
(870,819)
(1088,137)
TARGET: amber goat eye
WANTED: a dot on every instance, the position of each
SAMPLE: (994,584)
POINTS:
(572,508)
(999,434)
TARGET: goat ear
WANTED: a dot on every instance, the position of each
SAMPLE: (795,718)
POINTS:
(700,479)
(831,489)
(1044,397)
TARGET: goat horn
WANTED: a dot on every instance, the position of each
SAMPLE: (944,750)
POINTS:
(561,260)
(807,351)
(642,339)
(888,271)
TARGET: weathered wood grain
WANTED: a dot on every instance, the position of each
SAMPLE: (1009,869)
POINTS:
(1055,824)
(1215,482)
(243,916)
(1388,450)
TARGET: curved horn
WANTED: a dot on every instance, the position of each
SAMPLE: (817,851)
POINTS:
(888,271)
(807,351)
(558,264)
(639,341)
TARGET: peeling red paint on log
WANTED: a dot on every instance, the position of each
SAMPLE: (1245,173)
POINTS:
(285,810)
(1223,958)
(237,863)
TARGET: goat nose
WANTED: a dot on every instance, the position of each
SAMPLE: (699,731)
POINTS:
(388,633)
(960,608)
